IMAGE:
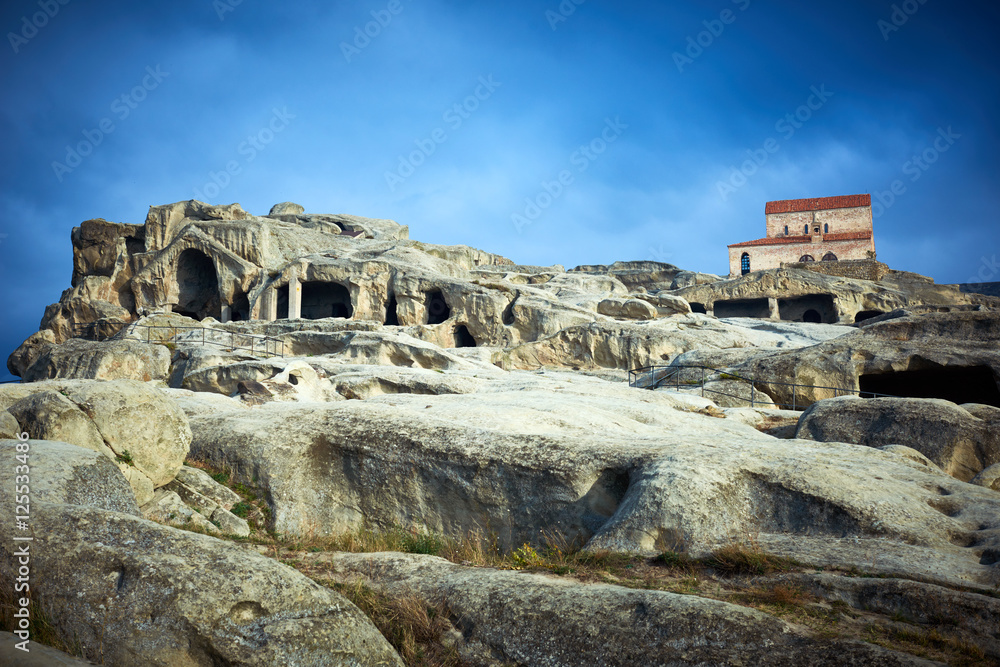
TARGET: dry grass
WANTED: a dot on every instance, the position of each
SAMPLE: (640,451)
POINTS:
(416,630)
(735,559)
(740,572)
(40,628)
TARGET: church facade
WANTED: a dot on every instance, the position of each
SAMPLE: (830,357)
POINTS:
(824,229)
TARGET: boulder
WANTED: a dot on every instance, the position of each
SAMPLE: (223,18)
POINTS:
(667,304)
(127,421)
(988,477)
(692,278)
(627,309)
(201,482)
(110,360)
(130,592)
(167,507)
(534,619)
(134,417)
(286,208)
(9,427)
(959,443)
(65,473)
(50,415)
(28,352)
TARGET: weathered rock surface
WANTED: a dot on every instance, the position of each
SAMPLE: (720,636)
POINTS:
(24,356)
(961,444)
(125,420)
(627,309)
(67,474)
(9,427)
(38,655)
(935,343)
(988,477)
(616,466)
(534,619)
(112,360)
(135,593)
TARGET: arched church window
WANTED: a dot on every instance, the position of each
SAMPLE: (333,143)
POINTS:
(826,228)
(745,263)
(806,258)
(829,257)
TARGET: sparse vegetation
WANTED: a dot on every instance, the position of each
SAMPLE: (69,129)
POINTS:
(125,457)
(414,628)
(740,572)
(737,558)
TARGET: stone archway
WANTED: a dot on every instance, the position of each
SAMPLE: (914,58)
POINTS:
(197,286)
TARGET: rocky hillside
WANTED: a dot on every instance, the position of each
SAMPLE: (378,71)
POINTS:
(308,440)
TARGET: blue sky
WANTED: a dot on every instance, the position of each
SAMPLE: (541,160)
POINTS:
(642,109)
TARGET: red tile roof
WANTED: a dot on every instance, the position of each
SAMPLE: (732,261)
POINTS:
(817,204)
(777,240)
(785,240)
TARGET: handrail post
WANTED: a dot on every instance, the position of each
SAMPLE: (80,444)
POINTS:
(753,393)
(703,382)
(794,387)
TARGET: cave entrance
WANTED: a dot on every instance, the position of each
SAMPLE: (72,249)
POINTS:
(197,286)
(815,308)
(322,299)
(699,308)
(867,315)
(437,308)
(391,316)
(241,308)
(743,308)
(463,338)
(282,313)
(958,384)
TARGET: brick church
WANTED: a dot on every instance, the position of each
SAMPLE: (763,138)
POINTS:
(826,229)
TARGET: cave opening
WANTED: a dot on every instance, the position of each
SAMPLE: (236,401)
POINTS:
(463,338)
(759,308)
(282,313)
(814,308)
(437,308)
(391,306)
(322,299)
(958,384)
(198,286)
(240,308)
(867,315)
(699,308)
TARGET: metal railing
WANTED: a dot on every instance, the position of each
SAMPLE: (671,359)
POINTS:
(693,377)
(256,344)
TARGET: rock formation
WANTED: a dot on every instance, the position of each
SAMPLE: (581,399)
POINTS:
(347,378)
